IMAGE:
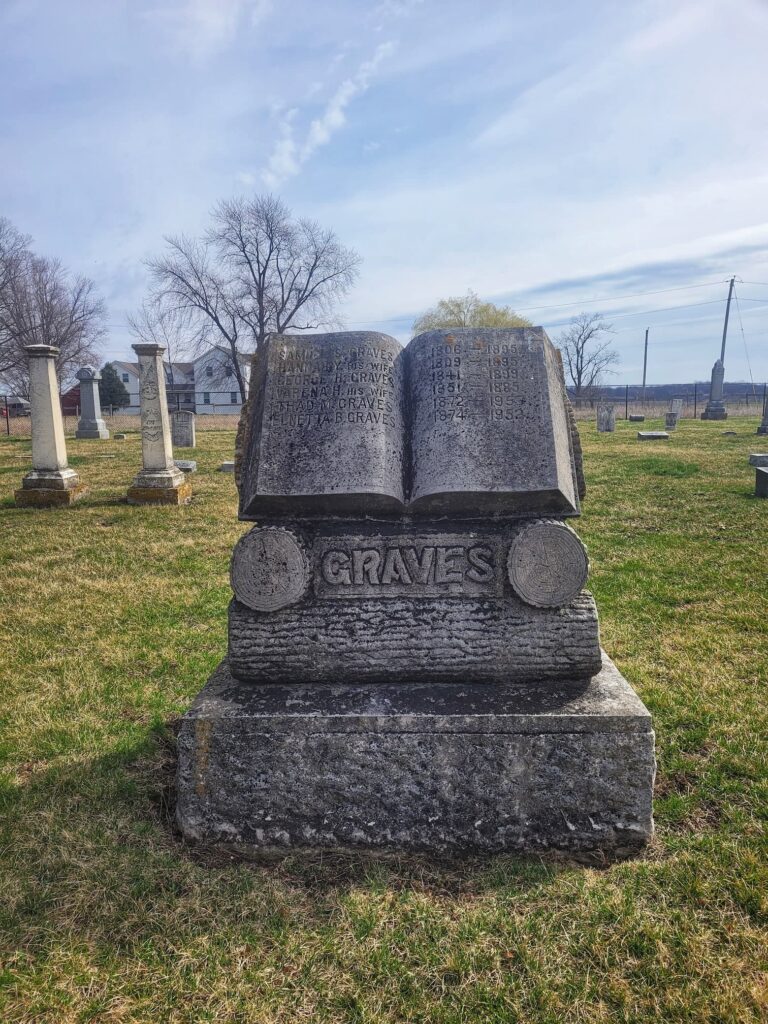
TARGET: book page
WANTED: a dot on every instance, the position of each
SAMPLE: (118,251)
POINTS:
(327,432)
(489,428)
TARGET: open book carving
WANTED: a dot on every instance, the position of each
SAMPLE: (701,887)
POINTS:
(461,423)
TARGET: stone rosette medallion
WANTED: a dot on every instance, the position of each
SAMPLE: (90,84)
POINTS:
(413,659)
(269,569)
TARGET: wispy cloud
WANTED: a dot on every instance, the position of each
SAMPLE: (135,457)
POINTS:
(202,28)
(288,155)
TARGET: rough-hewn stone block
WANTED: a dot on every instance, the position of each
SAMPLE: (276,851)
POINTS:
(447,768)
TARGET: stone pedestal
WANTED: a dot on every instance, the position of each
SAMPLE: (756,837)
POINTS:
(159,482)
(761,482)
(437,767)
(715,408)
(90,424)
(763,428)
(670,421)
(51,481)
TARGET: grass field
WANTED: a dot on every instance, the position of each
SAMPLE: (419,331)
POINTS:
(113,616)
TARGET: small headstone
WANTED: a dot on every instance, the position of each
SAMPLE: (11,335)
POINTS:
(652,435)
(763,428)
(730,433)
(758,459)
(761,482)
(670,420)
(183,428)
(636,418)
(186,465)
(676,405)
(118,437)
(227,467)
(606,418)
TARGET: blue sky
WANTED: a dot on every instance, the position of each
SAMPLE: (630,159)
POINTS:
(557,156)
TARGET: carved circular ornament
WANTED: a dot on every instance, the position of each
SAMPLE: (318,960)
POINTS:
(269,569)
(547,564)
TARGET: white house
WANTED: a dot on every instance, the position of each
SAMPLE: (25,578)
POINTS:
(207,385)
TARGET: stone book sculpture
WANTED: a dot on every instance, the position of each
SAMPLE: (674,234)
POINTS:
(452,425)
(413,660)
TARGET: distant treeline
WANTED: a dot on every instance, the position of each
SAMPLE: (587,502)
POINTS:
(663,392)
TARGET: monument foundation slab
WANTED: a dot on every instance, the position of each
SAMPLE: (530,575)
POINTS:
(436,767)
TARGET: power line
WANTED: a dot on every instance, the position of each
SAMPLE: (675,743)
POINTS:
(744,339)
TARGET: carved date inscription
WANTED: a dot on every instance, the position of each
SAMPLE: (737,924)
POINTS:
(442,565)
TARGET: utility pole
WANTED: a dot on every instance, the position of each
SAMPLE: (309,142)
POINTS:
(645,362)
(725,325)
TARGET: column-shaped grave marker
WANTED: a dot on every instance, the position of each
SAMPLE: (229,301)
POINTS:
(51,481)
(90,425)
(159,482)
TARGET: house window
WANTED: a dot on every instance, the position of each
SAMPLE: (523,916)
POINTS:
(187,399)
(233,397)
(206,398)
(209,370)
(125,378)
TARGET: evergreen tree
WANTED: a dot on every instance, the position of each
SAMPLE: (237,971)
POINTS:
(112,391)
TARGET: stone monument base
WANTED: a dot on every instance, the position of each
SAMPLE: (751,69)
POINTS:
(47,497)
(178,495)
(92,434)
(43,488)
(715,413)
(446,768)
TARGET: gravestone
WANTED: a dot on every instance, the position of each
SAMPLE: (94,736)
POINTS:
(90,425)
(50,481)
(186,465)
(606,418)
(227,467)
(413,661)
(652,435)
(763,427)
(676,405)
(119,437)
(758,459)
(159,482)
(636,418)
(670,420)
(715,407)
(761,482)
(182,428)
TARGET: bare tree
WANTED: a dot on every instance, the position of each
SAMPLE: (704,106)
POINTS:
(157,324)
(256,271)
(587,353)
(42,305)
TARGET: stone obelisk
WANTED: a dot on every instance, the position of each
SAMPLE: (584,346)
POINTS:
(715,408)
(51,481)
(158,482)
(90,425)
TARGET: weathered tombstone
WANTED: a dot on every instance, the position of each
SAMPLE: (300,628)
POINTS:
(413,661)
(636,418)
(652,435)
(90,425)
(159,482)
(761,482)
(670,420)
(715,407)
(758,459)
(183,428)
(50,481)
(763,427)
(227,467)
(118,437)
(606,418)
(676,405)
(186,465)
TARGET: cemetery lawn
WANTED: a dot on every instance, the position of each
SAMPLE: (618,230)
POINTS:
(111,619)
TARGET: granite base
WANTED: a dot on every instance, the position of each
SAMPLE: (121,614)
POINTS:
(446,768)
(48,497)
(180,495)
